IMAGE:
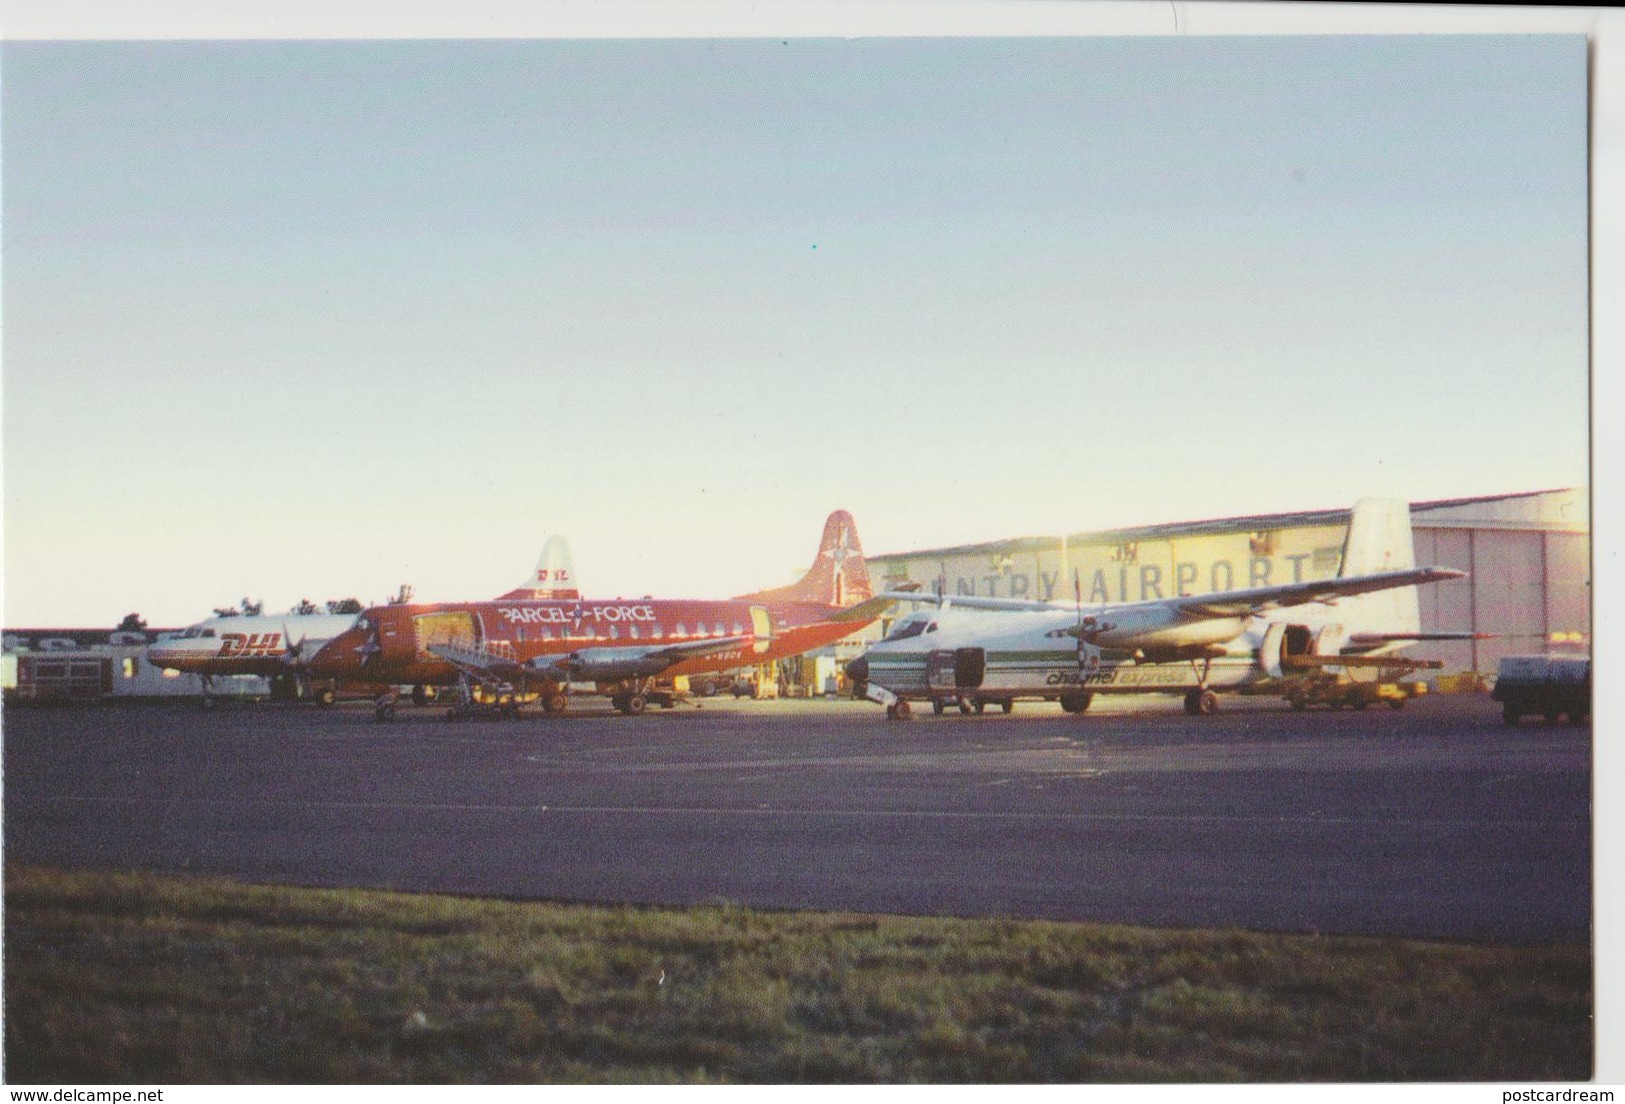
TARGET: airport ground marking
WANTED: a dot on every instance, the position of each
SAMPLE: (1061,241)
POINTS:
(1310,820)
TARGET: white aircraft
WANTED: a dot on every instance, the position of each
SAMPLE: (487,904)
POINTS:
(279,646)
(1193,645)
(274,647)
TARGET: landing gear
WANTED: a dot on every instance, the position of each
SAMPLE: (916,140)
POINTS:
(555,702)
(493,699)
(899,710)
(1201,703)
(423,695)
(631,705)
(383,709)
(1075,701)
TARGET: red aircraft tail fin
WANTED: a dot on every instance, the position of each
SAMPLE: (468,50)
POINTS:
(838,576)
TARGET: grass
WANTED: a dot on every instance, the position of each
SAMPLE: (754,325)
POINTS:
(139,978)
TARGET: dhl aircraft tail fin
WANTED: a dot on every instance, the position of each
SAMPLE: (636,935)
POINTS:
(1379,539)
(838,576)
(554,577)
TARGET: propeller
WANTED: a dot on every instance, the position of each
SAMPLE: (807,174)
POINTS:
(1088,627)
(291,647)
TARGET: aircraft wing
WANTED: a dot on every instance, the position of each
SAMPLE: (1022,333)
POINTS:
(479,663)
(1243,603)
(608,664)
(971,601)
(1228,603)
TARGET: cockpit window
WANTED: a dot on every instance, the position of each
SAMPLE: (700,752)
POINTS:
(208,634)
(906,629)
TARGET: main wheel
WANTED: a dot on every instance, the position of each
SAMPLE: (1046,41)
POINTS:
(966,706)
(1200,703)
(634,705)
(938,705)
(555,703)
(899,710)
(1076,701)
(1510,714)
(1008,704)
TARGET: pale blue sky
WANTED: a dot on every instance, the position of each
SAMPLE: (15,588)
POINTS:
(314,319)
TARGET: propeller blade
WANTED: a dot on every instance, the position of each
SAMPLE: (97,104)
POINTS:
(291,647)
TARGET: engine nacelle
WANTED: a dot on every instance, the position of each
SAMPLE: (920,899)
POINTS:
(1155,628)
(601,665)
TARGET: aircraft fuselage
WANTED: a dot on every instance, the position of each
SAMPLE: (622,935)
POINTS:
(391,643)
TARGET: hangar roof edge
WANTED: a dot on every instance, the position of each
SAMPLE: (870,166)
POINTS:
(1243,523)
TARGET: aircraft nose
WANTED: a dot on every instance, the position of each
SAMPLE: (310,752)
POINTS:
(858,669)
(327,663)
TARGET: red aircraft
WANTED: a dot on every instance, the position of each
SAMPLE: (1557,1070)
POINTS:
(501,653)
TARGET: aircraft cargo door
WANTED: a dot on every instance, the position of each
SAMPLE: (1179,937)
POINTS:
(960,669)
(761,629)
(970,667)
(459,628)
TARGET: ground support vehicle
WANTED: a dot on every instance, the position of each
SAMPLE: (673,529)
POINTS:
(1549,686)
(1340,692)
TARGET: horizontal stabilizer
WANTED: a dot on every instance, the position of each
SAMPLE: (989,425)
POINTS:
(1394,637)
(866,611)
(1390,663)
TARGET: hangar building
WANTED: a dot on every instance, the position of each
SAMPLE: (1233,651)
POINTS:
(41,665)
(1528,559)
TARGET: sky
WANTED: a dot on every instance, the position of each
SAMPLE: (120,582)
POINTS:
(313,319)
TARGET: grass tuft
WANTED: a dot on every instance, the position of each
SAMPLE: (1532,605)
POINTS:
(136,978)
